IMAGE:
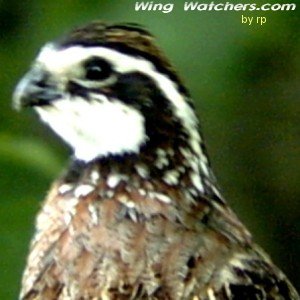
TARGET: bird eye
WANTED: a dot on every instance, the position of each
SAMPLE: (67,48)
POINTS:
(97,69)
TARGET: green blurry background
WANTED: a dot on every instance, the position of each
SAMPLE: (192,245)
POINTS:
(244,79)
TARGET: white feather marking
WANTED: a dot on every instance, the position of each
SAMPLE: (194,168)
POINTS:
(197,182)
(181,169)
(64,188)
(142,171)
(161,162)
(68,218)
(94,214)
(95,176)
(186,153)
(204,168)
(69,208)
(142,192)
(161,197)
(210,293)
(171,177)
(109,194)
(125,200)
(162,159)
(227,276)
(130,204)
(133,214)
(216,191)
(237,261)
(113,180)
(83,190)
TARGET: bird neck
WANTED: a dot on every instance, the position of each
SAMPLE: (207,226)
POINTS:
(165,166)
(168,182)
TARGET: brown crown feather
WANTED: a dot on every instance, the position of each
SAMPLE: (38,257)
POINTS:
(130,37)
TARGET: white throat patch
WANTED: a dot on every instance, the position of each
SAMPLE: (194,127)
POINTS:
(97,127)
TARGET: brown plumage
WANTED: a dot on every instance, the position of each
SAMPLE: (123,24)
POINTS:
(135,224)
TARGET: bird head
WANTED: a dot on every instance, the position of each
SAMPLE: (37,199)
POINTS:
(107,89)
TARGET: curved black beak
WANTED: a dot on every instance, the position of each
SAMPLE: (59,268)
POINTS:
(35,89)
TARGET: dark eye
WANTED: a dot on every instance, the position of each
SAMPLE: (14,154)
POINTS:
(97,69)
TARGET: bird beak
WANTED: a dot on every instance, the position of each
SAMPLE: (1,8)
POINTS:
(35,89)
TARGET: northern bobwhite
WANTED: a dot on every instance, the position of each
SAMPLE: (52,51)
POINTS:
(137,214)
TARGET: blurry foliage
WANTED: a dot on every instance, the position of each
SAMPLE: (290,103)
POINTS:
(245,82)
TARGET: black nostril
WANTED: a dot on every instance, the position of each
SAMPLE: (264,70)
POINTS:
(41,79)
(41,83)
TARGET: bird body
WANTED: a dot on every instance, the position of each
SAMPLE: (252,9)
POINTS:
(137,214)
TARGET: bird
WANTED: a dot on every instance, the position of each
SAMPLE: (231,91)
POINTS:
(137,213)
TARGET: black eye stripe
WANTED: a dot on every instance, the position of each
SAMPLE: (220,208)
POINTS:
(97,68)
